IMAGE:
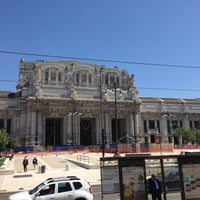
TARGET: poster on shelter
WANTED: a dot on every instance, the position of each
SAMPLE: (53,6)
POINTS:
(110,180)
(134,183)
(191,179)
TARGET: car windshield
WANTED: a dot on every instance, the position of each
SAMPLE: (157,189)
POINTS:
(36,188)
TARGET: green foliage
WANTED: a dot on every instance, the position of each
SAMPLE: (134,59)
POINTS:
(14,142)
(196,133)
(4,139)
(183,133)
(187,135)
(2,160)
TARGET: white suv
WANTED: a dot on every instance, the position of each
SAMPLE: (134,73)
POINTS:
(62,188)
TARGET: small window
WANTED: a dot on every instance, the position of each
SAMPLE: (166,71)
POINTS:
(84,78)
(53,76)
(77,79)
(106,79)
(196,124)
(151,124)
(112,81)
(46,76)
(59,76)
(8,126)
(191,125)
(64,187)
(90,79)
(145,126)
(77,185)
(1,123)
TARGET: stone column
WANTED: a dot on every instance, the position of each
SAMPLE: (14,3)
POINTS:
(33,128)
(23,128)
(69,130)
(28,128)
(136,124)
(132,128)
(15,124)
(64,134)
(39,129)
(78,130)
(186,122)
(107,128)
(76,138)
(163,130)
(98,131)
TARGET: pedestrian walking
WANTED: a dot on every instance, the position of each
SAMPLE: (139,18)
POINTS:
(35,162)
(155,188)
(25,163)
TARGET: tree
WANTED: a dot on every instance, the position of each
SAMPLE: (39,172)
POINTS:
(196,133)
(185,134)
(14,142)
(4,139)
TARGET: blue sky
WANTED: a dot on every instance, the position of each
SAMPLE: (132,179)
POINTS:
(143,31)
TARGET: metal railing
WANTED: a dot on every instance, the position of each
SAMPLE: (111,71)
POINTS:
(83,158)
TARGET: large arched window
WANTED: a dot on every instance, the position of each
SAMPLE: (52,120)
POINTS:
(53,76)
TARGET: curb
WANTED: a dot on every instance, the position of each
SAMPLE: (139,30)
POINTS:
(84,165)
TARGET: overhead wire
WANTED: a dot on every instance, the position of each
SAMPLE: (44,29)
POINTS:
(101,60)
(111,61)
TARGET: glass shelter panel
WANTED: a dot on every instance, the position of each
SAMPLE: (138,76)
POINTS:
(191,180)
(172,175)
(169,177)
(110,177)
(134,183)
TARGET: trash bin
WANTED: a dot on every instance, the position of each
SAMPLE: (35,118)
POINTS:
(43,167)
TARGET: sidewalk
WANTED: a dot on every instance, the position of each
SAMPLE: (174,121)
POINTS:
(56,164)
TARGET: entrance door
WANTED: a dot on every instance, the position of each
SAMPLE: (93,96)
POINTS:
(87,131)
(53,132)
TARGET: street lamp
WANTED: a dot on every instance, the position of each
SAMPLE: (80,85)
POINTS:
(169,117)
(116,124)
(54,133)
(159,141)
(73,137)
(101,113)
(115,91)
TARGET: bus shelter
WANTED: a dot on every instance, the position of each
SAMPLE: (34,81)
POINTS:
(127,177)
(189,166)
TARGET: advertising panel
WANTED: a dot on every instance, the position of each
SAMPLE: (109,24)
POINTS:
(134,183)
(191,179)
(110,180)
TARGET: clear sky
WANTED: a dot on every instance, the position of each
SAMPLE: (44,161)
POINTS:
(134,31)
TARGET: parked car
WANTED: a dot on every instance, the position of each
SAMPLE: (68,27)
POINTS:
(62,188)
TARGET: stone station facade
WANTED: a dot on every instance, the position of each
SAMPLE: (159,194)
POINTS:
(76,103)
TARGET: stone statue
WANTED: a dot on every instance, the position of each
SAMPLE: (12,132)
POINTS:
(38,73)
(131,81)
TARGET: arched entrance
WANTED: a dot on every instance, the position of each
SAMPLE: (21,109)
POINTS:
(53,132)
(87,131)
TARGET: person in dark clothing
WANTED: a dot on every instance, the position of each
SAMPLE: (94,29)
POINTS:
(35,162)
(155,188)
(25,163)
